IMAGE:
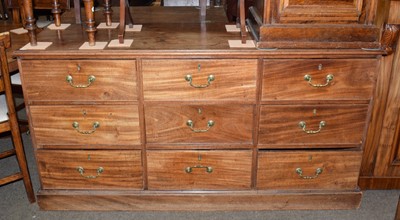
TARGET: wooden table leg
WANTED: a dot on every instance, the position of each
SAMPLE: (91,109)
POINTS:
(108,12)
(242,16)
(122,10)
(77,8)
(30,21)
(203,9)
(90,29)
(56,13)
(128,14)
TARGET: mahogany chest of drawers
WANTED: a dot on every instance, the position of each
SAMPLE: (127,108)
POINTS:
(207,127)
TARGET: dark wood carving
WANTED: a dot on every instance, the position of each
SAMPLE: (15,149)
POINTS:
(389,37)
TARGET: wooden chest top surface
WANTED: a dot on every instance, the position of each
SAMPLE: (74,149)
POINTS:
(166,31)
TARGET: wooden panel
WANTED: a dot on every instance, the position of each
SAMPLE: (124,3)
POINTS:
(45,80)
(118,125)
(225,200)
(277,170)
(328,11)
(353,79)
(387,155)
(344,124)
(227,170)
(48,4)
(121,169)
(310,36)
(394,15)
(375,127)
(371,182)
(167,123)
(235,79)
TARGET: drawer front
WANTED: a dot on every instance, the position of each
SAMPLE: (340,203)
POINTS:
(308,170)
(308,126)
(231,79)
(89,169)
(199,170)
(86,125)
(351,79)
(47,80)
(168,123)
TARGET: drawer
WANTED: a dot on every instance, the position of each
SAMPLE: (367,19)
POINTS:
(353,79)
(199,170)
(89,169)
(46,80)
(294,170)
(230,79)
(167,123)
(310,126)
(86,125)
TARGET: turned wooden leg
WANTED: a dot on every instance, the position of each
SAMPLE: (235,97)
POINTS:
(122,10)
(16,16)
(203,9)
(77,8)
(108,12)
(90,29)
(242,14)
(128,14)
(56,13)
(30,21)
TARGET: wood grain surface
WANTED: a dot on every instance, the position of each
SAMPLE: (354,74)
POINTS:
(52,125)
(353,79)
(277,170)
(199,201)
(167,123)
(230,170)
(58,169)
(115,80)
(344,124)
(330,11)
(235,79)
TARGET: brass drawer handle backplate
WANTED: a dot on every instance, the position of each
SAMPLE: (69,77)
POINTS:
(81,171)
(302,125)
(210,78)
(207,169)
(190,124)
(318,171)
(329,79)
(75,125)
(70,80)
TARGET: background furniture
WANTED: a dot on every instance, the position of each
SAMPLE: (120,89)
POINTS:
(9,123)
(317,24)
(380,168)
